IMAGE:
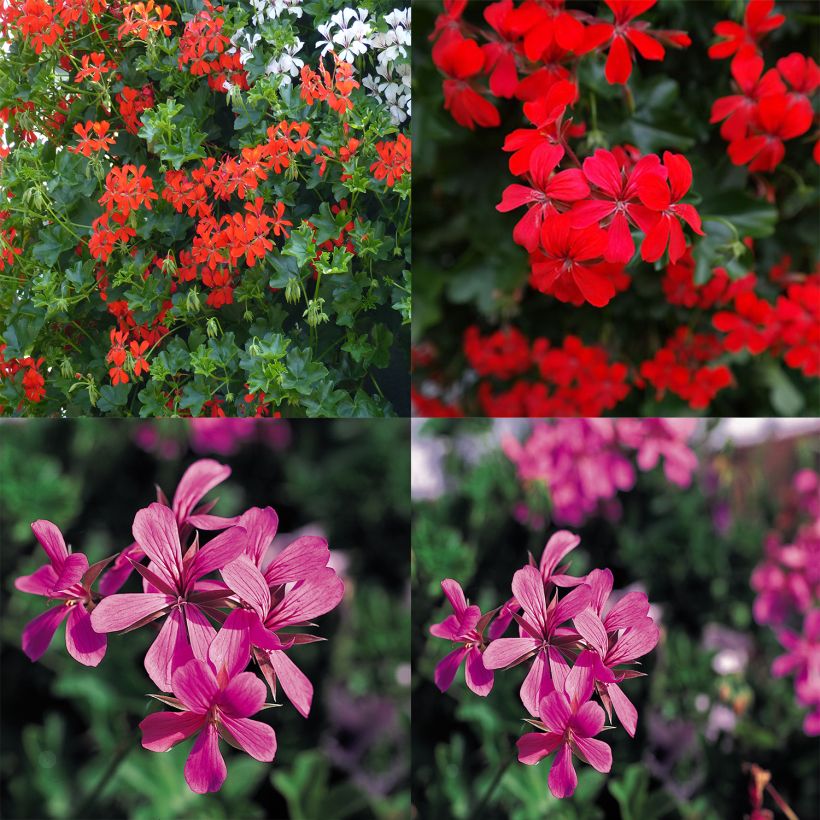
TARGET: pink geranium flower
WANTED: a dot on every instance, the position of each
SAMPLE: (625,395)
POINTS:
(802,659)
(293,589)
(570,721)
(67,580)
(216,698)
(196,482)
(464,628)
(540,639)
(171,590)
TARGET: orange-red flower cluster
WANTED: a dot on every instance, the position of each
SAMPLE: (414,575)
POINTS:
(335,90)
(94,65)
(394,160)
(132,103)
(143,18)
(207,51)
(93,137)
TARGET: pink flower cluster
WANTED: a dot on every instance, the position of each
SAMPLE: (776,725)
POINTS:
(584,463)
(787,583)
(577,640)
(211,627)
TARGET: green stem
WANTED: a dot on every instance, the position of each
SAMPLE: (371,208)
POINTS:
(477,811)
(105,778)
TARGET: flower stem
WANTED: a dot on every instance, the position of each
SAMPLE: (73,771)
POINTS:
(485,800)
(95,793)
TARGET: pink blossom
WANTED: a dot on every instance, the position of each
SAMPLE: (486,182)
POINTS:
(464,628)
(570,721)
(540,639)
(171,590)
(293,589)
(66,580)
(216,698)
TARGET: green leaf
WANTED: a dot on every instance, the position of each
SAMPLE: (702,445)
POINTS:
(786,399)
(751,216)
(113,397)
(54,240)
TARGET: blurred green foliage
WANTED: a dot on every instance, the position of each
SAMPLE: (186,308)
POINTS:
(695,569)
(70,747)
(467,269)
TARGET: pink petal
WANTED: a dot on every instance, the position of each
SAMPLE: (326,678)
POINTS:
(591,629)
(562,780)
(528,589)
(479,678)
(231,648)
(200,631)
(212,522)
(449,628)
(83,644)
(634,643)
(217,553)
(252,736)
(580,680)
(630,609)
(169,651)
(559,544)
(38,633)
(595,752)
(245,579)
(455,595)
(294,682)
(600,584)
(195,685)
(243,696)
(535,746)
(200,478)
(313,597)
(163,730)
(554,712)
(205,769)
(504,652)
(588,720)
(571,604)
(626,712)
(72,571)
(40,582)
(155,530)
(123,610)
(537,684)
(299,560)
(447,668)
(51,540)
(120,570)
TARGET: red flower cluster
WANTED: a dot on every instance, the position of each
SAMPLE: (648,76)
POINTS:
(770,107)
(335,89)
(94,65)
(143,18)
(680,367)
(132,103)
(208,52)
(33,381)
(571,380)
(394,160)
(93,137)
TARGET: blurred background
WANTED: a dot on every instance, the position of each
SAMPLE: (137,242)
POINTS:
(69,743)
(709,704)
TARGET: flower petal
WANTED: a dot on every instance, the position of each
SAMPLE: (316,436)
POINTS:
(479,679)
(559,544)
(595,752)
(38,633)
(72,571)
(169,651)
(244,578)
(563,780)
(535,746)
(537,684)
(554,712)
(252,736)
(83,644)
(295,683)
(217,553)
(528,589)
(51,540)
(40,582)
(200,478)
(447,667)
(243,696)
(317,595)
(123,610)
(205,769)
(155,530)
(231,648)
(195,685)
(299,560)
(163,730)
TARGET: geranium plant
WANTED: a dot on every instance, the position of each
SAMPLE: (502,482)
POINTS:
(661,254)
(206,208)
(220,608)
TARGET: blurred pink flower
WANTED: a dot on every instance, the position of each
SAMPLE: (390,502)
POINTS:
(67,580)
(802,659)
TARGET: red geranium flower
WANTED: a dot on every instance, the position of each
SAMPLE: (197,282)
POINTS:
(461,59)
(742,41)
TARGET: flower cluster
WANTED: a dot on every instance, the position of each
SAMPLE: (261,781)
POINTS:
(787,583)
(579,221)
(618,215)
(211,628)
(584,463)
(178,200)
(770,106)
(578,640)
